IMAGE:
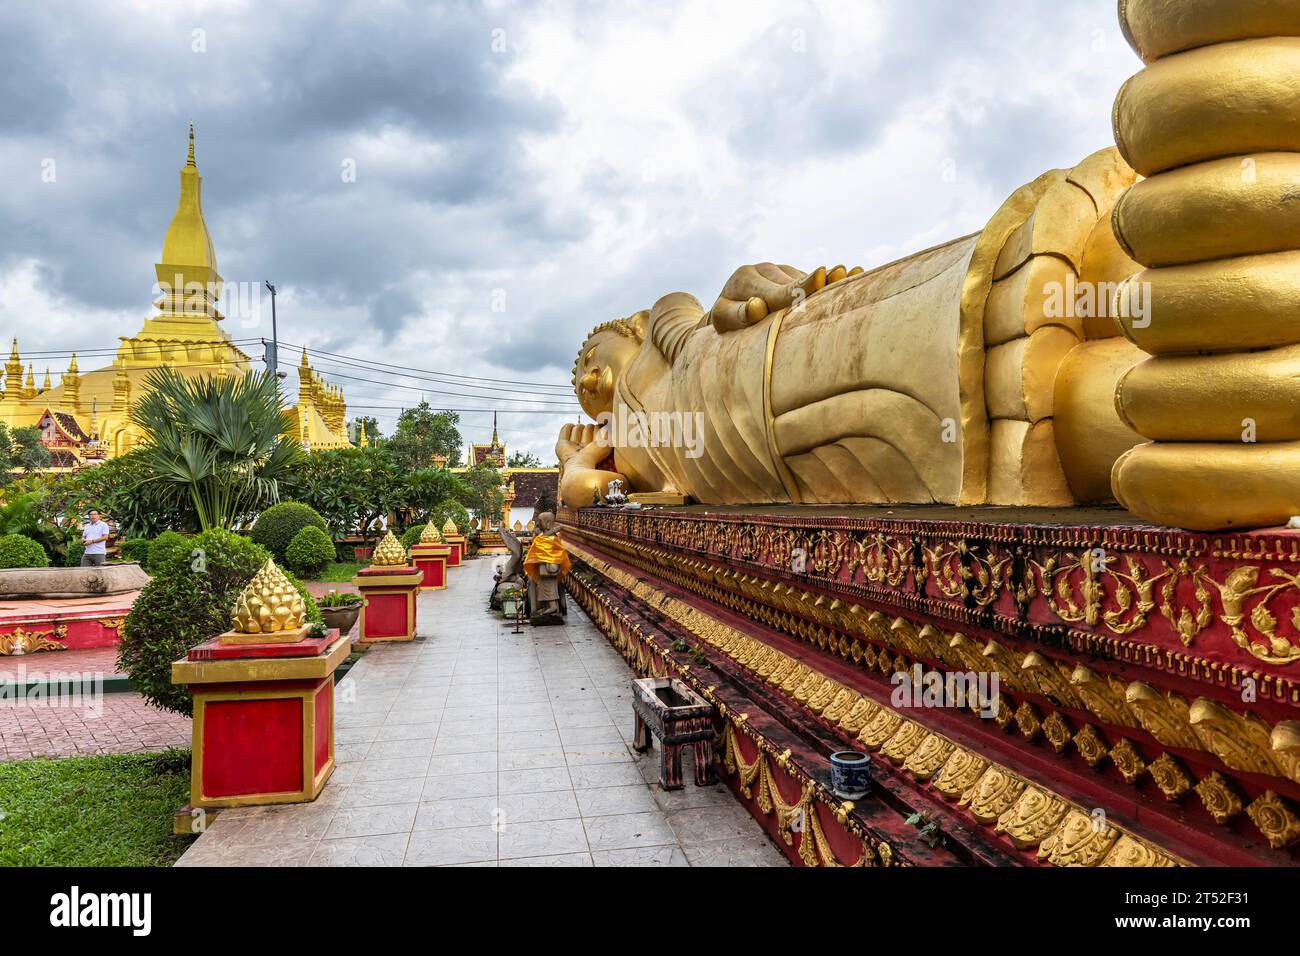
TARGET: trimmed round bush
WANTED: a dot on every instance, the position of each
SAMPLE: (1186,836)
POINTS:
(73,553)
(309,551)
(412,536)
(20,551)
(163,547)
(276,526)
(189,601)
(135,549)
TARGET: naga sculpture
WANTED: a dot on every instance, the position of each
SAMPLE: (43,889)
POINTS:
(1035,362)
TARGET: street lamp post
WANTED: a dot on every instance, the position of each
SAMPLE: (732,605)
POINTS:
(273,350)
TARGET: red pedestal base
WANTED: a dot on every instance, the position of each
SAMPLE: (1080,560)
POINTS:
(457,544)
(388,613)
(263,720)
(431,559)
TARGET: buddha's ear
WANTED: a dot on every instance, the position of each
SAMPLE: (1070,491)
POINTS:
(639,321)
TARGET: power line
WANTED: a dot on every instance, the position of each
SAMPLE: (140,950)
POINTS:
(429,372)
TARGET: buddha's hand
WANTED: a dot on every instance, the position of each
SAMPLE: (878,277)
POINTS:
(754,292)
(580,449)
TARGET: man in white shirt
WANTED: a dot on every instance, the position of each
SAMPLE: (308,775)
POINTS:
(94,535)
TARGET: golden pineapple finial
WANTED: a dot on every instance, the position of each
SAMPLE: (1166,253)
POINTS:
(430,534)
(389,553)
(269,604)
(449,527)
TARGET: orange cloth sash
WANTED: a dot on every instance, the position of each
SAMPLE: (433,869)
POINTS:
(546,549)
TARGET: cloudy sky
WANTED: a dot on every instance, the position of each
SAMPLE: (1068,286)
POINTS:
(467,188)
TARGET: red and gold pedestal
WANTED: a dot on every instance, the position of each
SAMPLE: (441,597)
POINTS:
(263,727)
(432,560)
(457,544)
(388,611)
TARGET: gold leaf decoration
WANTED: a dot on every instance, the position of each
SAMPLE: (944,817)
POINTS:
(1033,817)
(1082,840)
(1276,819)
(269,603)
(1127,759)
(389,553)
(1170,776)
(1219,797)
(430,534)
(1092,745)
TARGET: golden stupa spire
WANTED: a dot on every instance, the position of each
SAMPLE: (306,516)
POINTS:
(29,387)
(495,442)
(187,248)
(45,386)
(14,370)
(362,441)
(72,366)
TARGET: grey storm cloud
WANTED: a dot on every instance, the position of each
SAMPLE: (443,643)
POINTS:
(518,168)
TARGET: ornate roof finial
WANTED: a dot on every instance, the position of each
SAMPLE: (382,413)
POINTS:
(190,159)
(72,366)
(46,386)
(495,443)
(13,355)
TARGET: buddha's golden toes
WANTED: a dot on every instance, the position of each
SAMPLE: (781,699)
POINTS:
(1214,123)
(1208,486)
(1156,28)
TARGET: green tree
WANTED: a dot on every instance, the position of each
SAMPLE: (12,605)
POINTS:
(422,433)
(218,439)
(351,488)
(373,434)
(523,459)
(21,450)
(482,491)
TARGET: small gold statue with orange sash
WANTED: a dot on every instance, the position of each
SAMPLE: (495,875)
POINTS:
(545,564)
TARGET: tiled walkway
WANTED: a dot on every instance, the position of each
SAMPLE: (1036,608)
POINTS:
(476,746)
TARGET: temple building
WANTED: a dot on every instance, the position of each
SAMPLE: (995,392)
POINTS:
(524,487)
(85,418)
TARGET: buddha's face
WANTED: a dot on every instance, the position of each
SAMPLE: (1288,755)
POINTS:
(600,365)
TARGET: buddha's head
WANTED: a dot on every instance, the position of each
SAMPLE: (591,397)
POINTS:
(604,356)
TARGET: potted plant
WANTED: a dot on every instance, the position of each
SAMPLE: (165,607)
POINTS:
(512,601)
(340,609)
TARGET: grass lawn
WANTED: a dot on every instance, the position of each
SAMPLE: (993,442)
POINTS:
(113,810)
(339,572)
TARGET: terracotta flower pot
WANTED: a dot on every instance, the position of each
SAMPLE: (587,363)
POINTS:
(341,617)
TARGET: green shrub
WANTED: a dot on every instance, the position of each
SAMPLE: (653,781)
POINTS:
(411,536)
(309,551)
(276,526)
(163,547)
(188,602)
(20,551)
(134,549)
(73,553)
(338,598)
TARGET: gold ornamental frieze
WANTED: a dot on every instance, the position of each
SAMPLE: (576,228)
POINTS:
(1171,590)
(1240,740)
(993,795)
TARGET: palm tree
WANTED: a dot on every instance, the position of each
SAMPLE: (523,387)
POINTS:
(217,438)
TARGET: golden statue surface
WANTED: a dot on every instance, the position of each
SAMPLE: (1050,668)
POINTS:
(1121,330)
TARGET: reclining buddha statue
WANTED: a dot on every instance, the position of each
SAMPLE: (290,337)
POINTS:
(1126,330)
